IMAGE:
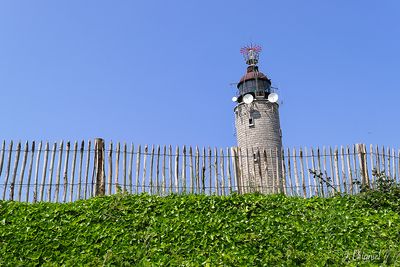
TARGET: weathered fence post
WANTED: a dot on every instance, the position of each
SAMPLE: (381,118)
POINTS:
(362,156)
(99,167)
(236,174)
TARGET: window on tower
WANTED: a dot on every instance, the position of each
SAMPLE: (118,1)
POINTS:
(254,86)
(251,122)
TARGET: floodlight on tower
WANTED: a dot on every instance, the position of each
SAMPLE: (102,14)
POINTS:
(248,98)
(273,97)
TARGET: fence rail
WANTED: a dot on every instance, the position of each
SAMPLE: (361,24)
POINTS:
(65,171)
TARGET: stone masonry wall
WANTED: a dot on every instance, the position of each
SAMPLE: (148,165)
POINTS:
(258,129)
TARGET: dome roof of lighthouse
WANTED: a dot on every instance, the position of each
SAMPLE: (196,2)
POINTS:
(252,74)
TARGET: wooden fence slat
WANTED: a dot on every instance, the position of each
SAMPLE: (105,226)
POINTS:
(151,185)
(275,183)
(81,152)
(393,164)
(371,155)
(349,171)
(361,163)
(308,173)
(283,171)
(116,174)
(210,169)
(158,171)
(365,164)
(290,173)
(344,178)
(259,170)
(257,182)
(28,188)
(389,166)
(94,171)
(71,191)
(320,184)
(216,182)
(267,183)
(21,177)
(110,168)
(269,178)
(124,168)
(303,180)
(197,169)
(7,169)
(191,173)
(131,167)
(390,161)
(221,165)
(229,173)
(51,170)
(336,158)
(384,160)
(377,157)
(171,178)
(357,155)
(3,147)
(398,165)
(258,173)
(240,171)
(329,189)
(87,168)
(203,172)
(277,164)
(332,170)
(235,167)
(254,183)
(253,174)
(138,157)
(177,169)
(44,170)
(146,151)
(183,176)
(7,174)
(2,157)
(355,172)
(58,172)
(313,169)
(163,174)
(248,186)
(37,172)
(296,176)
(14,174)
(66,171)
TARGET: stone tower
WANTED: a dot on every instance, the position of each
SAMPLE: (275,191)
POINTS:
(258,130)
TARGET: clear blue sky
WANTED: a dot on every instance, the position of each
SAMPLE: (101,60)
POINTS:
(159,72)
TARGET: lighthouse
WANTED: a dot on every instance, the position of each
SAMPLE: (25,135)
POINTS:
(258,131)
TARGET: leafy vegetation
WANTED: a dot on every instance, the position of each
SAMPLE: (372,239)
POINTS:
(198,230)
(384,193)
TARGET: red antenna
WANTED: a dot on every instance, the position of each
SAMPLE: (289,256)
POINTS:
(251,54)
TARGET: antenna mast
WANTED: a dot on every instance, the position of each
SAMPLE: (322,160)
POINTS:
(251,54)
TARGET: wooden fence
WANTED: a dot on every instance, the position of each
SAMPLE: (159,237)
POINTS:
(64,171)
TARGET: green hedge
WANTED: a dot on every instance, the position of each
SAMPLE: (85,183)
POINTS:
(196,230)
